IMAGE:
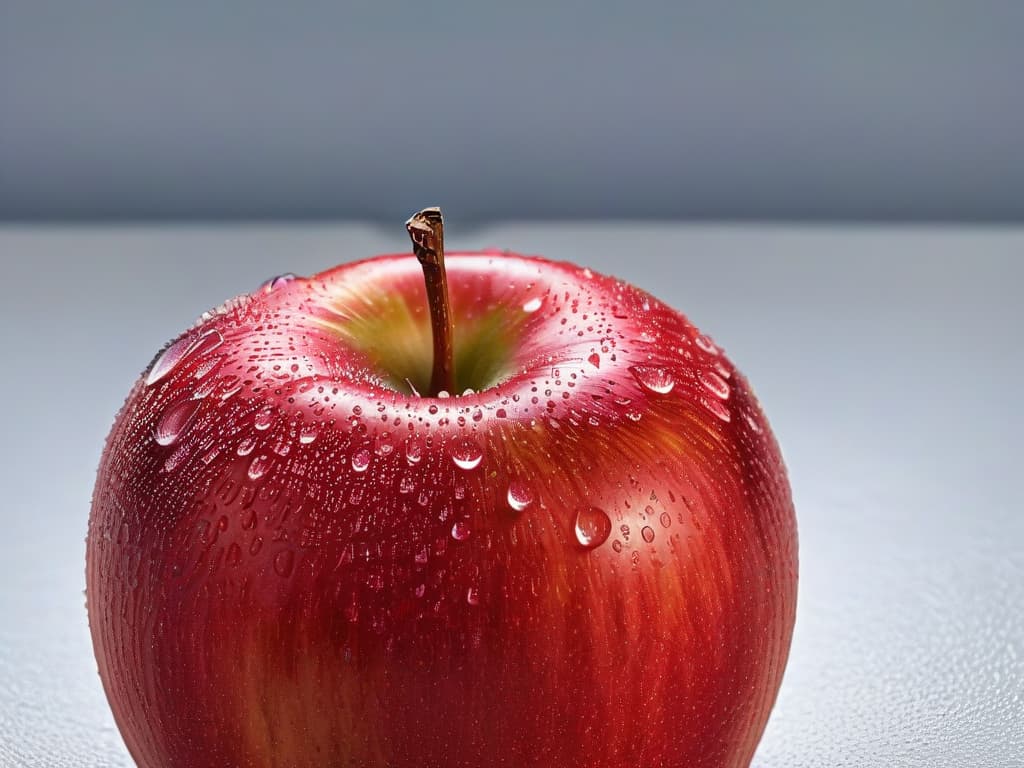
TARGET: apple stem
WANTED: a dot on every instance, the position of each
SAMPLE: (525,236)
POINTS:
(426,229)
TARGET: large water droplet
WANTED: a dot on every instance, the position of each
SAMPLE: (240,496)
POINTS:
(382,445)
(653,378)
(532,305)
(181,350)
(466,453)
(460,531)
(520,495)
(174,421)
(593,526)
(245,447)
(361,460)
(258,467)
(413,450)
(167,360)
(276,282)
(264,419)
(309,433)
(717,408)
(706,344)
(714,384)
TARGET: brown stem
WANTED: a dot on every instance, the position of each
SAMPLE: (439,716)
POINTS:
(426,229)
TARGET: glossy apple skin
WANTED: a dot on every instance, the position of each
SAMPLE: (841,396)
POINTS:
(290,563)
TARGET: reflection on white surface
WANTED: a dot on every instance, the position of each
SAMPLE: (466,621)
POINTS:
(887,359)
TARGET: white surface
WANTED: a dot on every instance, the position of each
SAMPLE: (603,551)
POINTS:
(889,362)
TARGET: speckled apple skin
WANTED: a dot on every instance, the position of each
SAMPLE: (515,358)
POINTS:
(590,564)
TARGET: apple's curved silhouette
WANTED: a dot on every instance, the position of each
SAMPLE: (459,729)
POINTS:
(296,560)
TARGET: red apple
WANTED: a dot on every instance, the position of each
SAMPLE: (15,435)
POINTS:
(301,553)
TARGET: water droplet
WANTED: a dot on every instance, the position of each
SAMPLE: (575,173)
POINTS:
(167,360)
(532,305)
(706,344)
(284,561)
(466,453)
(595,360)
(179,351)
(382,445)
(653,379)
(501,413)
(245,447)
(361,460)
(264,419)
(258,467)
(276,282)
(309,433)
(520,495)
(617,545)
(473,596)
(714,384)
(593,526)
(648,533)
(413,451)
(665,519)
(634,415)
(753,423)
(460,531)
(717,408)
(174,421)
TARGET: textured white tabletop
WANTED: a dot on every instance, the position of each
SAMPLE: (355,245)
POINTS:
(890,362)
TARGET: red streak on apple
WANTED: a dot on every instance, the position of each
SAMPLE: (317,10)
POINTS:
(294,560)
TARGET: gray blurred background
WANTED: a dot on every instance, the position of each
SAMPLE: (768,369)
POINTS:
(878,109)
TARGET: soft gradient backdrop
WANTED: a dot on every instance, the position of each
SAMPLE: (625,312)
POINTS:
(883,109)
